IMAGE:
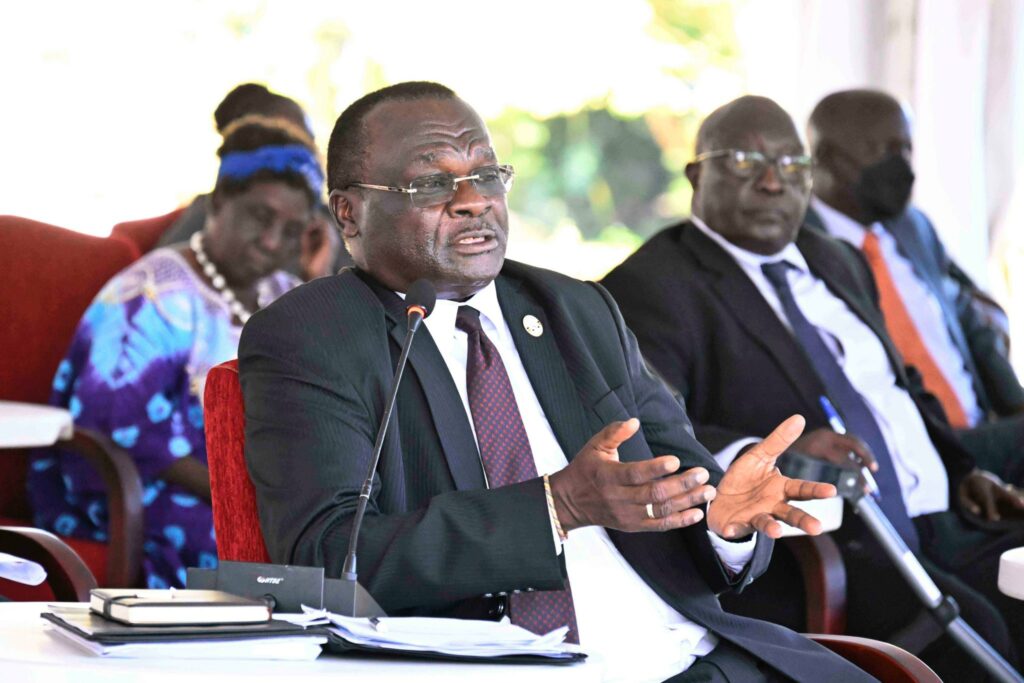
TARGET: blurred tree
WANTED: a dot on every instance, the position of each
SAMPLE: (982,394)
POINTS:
(605,171)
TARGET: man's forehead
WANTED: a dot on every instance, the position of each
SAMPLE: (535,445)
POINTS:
(892,124)
(476,145)
(758,136)
(427,130)
(873,122)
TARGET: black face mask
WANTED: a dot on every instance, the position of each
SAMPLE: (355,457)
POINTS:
(883,189)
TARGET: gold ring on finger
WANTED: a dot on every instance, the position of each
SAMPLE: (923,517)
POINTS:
(650,511)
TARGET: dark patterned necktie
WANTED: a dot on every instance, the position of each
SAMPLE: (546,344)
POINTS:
(507,459)
(859,420)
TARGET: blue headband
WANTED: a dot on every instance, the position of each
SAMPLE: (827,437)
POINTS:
(276,158)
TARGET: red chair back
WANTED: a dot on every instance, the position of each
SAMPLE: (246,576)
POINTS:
(49,277)
(145,233)
(235,518)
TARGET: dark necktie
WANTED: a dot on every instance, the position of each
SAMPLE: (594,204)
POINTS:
(856,414)
(507,459)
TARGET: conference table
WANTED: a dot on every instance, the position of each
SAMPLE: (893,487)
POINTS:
(29,652)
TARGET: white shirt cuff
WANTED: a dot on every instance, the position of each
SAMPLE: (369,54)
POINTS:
(733,556)
(725,456)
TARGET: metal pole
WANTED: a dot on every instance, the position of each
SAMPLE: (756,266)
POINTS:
(941,607)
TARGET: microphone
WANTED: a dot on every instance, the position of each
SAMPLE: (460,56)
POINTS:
(353,599)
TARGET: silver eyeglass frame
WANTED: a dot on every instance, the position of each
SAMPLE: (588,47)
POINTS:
(774,161)
(455,182)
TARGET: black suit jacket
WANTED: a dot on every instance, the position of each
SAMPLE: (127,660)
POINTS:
(315,368)
(705,327)
(981,347)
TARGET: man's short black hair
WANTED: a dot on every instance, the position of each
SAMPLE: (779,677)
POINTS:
(346,151)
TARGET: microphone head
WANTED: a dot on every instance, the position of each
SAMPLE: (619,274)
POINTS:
(420,298)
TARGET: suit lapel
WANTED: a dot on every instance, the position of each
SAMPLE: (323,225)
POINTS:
(910,247)
(545,365)
(910,243)
(746,304)
(446,409)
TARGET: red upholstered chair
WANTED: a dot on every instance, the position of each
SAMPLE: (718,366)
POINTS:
(824,576)
(883,661)
(235,519)
(239,537)
(50,276)
(143,234)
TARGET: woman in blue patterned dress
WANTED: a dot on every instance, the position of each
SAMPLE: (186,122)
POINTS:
(137,364)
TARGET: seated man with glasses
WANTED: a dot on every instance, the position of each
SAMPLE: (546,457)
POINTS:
(754,319)
(530,443)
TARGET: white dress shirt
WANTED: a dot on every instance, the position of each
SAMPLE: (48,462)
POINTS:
(620,618)
(919,468)
(924,309)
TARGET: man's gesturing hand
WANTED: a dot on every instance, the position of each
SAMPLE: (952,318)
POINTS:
(753,494)
(597,489)
(842,450)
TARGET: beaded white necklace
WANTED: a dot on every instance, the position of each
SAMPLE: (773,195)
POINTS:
(225,292)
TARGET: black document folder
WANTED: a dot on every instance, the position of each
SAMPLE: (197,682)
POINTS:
(95,628)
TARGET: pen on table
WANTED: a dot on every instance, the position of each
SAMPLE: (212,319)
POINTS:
(836,423)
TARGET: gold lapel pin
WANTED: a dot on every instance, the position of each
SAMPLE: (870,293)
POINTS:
(533,325)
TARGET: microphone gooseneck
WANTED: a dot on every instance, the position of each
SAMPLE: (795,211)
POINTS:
(419,302)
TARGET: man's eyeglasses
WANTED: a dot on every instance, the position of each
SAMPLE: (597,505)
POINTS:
(794,169)
(431,190)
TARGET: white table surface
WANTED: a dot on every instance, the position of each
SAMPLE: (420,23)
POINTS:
(29,653)
(31,425)
(828,511)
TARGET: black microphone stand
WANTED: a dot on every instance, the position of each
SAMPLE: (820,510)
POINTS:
(348,594)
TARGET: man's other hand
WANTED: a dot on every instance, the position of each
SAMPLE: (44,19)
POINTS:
(987,496)
(753,495)
(835,448)
(597,489)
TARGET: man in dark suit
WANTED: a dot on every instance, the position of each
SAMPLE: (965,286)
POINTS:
(712,316)
(522,372)
(861,143)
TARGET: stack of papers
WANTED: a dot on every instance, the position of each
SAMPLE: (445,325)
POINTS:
(456,638)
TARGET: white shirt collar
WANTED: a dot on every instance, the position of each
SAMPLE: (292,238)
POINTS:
(441,321)
(748,259)
(485,301)
(838,224)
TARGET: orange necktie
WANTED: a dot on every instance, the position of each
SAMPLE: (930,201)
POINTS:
(908,340)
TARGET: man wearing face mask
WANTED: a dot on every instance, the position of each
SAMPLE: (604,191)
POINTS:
(752,317)
(861,143)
